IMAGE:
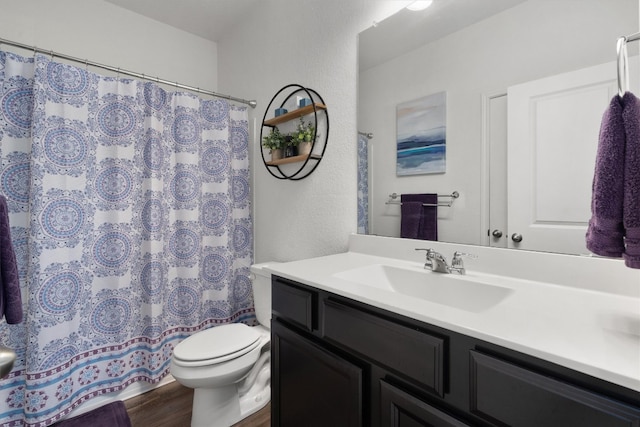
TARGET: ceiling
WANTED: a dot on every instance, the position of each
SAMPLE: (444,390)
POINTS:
(209,19)
(407,30)
(400,33)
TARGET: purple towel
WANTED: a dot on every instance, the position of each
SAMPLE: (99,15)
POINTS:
(631,205)
(111,415)
(418,221)
(10,296)
(614,227)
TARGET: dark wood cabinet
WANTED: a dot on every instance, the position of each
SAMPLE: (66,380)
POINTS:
(400,409)
(507,394)
(314,387)
(340,362)
(293,303)
(413,354)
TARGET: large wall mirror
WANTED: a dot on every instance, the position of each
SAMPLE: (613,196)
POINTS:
(521,86)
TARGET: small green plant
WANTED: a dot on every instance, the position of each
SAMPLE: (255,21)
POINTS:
(274,141)
(304,133)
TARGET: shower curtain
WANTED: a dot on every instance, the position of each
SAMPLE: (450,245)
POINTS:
(130,218)
(363,184)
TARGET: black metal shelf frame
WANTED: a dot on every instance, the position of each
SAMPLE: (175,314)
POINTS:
(301,173)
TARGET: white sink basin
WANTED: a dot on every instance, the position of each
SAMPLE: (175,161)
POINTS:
(464,292)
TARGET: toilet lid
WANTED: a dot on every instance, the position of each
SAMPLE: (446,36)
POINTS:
(216,342)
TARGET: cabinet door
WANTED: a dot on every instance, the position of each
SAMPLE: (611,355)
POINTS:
(400,409)
(508,394)
(312,387)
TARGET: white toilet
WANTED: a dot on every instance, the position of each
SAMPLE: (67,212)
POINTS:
(228,366)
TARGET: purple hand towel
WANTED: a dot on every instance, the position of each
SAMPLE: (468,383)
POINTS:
(110,415)
(614,228)
(11,298)
(418,221)
(605,234)
(631,205)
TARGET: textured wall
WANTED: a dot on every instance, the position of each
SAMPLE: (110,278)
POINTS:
(312,43)
(108,34)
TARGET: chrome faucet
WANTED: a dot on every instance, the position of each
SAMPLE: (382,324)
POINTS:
(435,261)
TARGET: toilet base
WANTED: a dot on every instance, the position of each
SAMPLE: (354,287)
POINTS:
(258,395)
(251,405)
(227,405)
(219,407)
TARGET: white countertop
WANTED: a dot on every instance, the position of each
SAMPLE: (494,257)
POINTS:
(586,329)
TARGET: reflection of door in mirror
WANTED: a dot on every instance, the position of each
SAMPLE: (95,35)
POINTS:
(553,138)
(496,161)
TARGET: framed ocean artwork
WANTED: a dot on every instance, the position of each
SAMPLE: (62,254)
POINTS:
(421,135)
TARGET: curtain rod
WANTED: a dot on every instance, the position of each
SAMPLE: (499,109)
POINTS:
(35,49)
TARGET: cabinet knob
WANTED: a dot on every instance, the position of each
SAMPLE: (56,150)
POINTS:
(516,237)
(497,234)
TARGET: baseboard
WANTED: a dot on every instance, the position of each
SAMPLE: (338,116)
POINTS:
(135,389)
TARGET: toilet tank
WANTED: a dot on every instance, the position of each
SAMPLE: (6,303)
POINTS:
(261,282)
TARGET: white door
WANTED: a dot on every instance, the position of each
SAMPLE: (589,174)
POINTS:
(553,127)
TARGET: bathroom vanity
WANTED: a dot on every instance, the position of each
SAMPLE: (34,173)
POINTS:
(489,352)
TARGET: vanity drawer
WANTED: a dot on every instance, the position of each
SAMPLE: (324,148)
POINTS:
(511,395)
(293,303)
(413,354)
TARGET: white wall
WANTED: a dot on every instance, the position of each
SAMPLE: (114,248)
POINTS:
(107,34)
(312,43)
(532,40)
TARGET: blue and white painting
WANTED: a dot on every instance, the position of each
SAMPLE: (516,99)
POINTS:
(421,131)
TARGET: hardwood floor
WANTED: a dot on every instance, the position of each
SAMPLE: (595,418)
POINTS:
(170,406)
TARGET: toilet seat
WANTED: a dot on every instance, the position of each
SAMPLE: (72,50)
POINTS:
(216,345)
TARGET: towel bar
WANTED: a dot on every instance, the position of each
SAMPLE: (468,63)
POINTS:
(622,62)
(448,204)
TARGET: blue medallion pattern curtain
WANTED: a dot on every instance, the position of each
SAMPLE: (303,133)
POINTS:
(363,184)
(130,218)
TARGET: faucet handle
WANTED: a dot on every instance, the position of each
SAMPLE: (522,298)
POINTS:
(457,258)
(429,251)
(429,255)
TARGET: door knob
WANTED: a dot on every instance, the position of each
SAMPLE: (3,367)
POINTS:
(516,237)
(497,233)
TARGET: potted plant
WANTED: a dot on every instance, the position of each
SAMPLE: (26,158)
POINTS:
(275,142)
(290,145)
(304,136)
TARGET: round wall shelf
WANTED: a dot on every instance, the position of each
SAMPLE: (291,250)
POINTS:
(295,102)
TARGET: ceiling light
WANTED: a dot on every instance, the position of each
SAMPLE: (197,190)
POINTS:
(420,5)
